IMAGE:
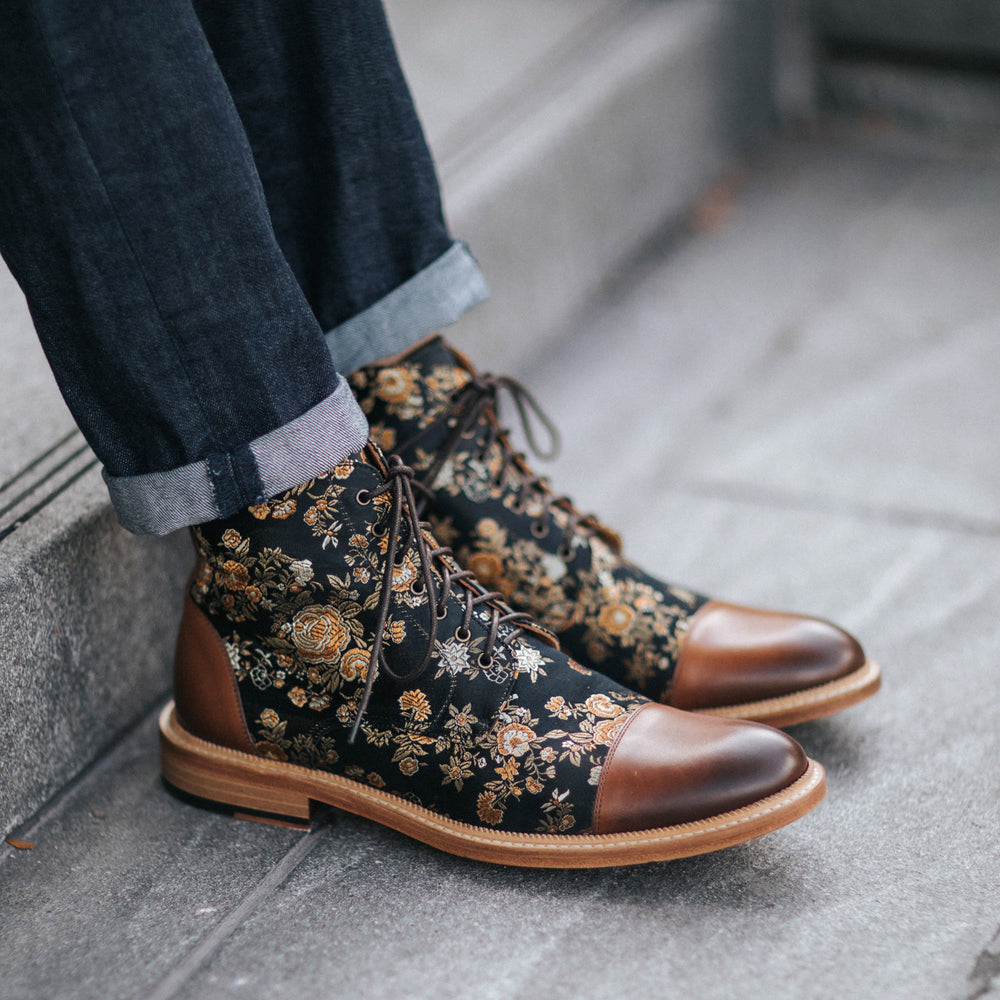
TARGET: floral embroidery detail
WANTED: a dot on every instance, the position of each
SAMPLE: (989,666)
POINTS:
(520,540)
(507,735)
(416,705)
(319,634)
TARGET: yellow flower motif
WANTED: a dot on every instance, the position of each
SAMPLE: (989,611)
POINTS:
(394,385)
(376,781)
(615,619)
(486,810)
(487,566)
(508,770)
(384,437)
(260,511)
(237,576)
(343,470)
(297,697)
(395,631)
(533,785)
(253,594)
(404,574)
(601,705)
(558,707)
(514,740)
(488,528)
(284,509)
(607,731)
(231,538)
(269,717)
(416,704)
(354,665)
(320,633)
(408,766)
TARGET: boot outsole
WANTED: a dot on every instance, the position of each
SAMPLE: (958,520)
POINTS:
(267,790)
(812,703)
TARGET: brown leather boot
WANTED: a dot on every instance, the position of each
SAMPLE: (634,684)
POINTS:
(565,568)
(332,652)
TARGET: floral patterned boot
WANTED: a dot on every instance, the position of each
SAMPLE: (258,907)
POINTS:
(332,652)
(566,568)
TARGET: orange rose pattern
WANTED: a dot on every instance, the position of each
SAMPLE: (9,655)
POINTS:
(507,737)
(319,634)
(564,569)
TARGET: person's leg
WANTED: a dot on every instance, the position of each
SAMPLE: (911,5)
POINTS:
(349,180)
(132,216)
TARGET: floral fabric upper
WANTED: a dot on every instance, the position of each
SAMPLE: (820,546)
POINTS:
(518,538)
(512,737)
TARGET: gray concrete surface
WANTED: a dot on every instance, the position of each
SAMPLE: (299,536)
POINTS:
(918,96)
(88,612)
(797,409)
(529,118)
(958,27)
(527,115)
(922,62)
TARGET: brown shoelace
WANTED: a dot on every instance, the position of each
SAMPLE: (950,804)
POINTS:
(477,402)
(402,520)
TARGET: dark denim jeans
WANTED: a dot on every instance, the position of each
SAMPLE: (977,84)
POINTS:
(211,208)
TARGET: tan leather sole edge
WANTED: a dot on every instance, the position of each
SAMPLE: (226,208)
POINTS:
(246,782)
(813,703)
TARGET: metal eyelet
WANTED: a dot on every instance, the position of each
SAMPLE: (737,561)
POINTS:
(485,661)
(539,529)
(565,552)
(463,634)
(417,587)
(380,529)
(363,497)
(442,613)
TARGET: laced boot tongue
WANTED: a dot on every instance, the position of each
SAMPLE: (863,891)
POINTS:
(421,404)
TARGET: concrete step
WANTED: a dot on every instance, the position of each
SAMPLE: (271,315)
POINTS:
(798,409)
(568,132)
(937,67)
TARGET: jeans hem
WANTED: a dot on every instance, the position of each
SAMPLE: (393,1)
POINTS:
(433,298)
(160,502)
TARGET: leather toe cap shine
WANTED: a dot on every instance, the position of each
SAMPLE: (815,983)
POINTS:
(673,767)
(732,654)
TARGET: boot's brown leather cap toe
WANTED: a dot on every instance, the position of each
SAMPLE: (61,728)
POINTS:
(733,654)
(673,767)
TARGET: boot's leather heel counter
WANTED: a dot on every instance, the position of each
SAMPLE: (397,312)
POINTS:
(205,690)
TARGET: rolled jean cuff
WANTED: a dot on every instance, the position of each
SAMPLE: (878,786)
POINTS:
(433,298)
(223,483)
